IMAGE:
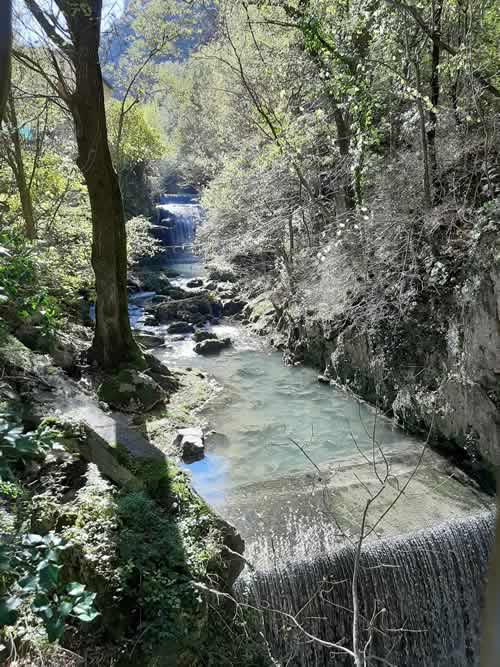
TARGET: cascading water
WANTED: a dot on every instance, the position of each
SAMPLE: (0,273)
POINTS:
(177,219)
(421,594)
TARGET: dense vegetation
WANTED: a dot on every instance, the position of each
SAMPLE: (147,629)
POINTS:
(359,141)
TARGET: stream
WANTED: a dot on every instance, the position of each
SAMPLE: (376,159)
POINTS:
(275,432)
(297,467)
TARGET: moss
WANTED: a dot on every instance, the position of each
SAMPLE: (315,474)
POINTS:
(130,390)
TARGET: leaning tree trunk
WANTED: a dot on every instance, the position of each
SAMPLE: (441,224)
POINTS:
(5,52)
(16,161)
(113,342)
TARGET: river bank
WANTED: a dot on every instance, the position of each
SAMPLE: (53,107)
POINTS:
(135,536)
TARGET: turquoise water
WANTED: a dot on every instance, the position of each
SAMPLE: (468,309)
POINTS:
(264,410)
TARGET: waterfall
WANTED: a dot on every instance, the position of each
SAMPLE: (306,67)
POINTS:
(177,219)
(420,592)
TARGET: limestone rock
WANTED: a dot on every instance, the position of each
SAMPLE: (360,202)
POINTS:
(155,282)
(192,309)
(177,293)
(130,391)
(227,290)
(191,444)
(212,346)
(133,284)
(149,341)
(180,328)
(202,335)
(195,282)
(161,373)
(233,306)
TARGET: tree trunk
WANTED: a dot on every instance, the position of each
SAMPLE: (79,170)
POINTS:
(435,90)
(423,137)
(113,342)
(5,53)
(17,165)
(344,144)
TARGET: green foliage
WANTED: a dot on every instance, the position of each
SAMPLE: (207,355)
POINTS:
(35,566)
(19,280)
(31,564)
(133,140)
(159,563)
(140,242)
(18,447)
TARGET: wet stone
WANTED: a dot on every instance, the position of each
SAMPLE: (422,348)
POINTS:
(190,443)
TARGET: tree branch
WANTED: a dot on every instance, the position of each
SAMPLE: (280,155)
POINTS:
(48,27)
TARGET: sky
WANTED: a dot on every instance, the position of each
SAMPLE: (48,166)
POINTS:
(28,30)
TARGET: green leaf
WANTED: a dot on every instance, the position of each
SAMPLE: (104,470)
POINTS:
(74,588)
(29,583)
(8,613)
(48,576)
(86,616)
(66,607)
(52,555)
(55,628)
(40,603)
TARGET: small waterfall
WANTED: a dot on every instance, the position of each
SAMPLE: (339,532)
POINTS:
(420,592)
(177,219)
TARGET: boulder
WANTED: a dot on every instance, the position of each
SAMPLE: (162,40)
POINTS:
(130,390)
(159,298)
(180,328)
(177,293)
(193,309)
(195,282)
(133,284)
(149,341)
(156,282)
(190,443)
(226,290)
(202,335)
(64,352)
(161,373)
(212,346)
(233,306)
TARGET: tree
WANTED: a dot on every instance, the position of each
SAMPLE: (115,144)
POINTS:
(5,53)
(75,49)
(14,157)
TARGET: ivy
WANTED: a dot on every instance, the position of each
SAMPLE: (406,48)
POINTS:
(35,566)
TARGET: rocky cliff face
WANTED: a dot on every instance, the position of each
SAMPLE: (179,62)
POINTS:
(444,380)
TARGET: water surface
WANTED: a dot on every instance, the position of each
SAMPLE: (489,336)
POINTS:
(271,420)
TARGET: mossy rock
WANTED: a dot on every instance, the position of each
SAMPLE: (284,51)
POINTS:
(130,390)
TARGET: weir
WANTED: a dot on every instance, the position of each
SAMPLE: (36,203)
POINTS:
(419,599)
